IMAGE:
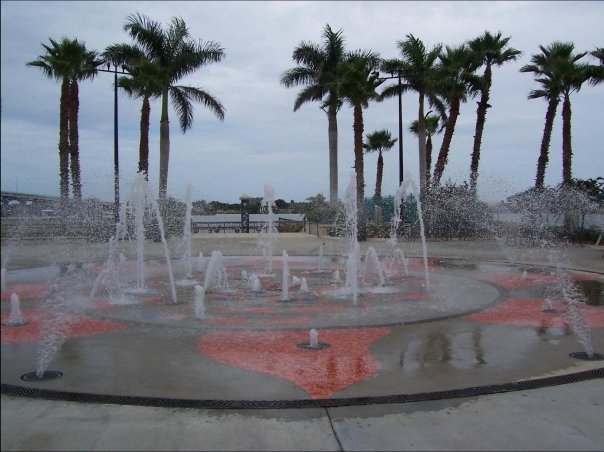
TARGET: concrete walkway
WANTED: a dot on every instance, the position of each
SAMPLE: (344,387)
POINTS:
(565,417)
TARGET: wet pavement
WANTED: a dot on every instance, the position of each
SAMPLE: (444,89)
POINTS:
(483,325)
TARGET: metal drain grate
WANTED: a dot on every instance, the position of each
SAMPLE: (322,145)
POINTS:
(47,375)
(586,357)
(319,346)
(301,403)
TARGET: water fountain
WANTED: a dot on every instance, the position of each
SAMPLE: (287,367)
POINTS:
(314,338)
(285,279)
(320,260)
(187,240)
(140,200)
(256,285)
(373,267)
(267,235)
(16,316)
(216,274)
(445,315)
(200,310)
(201,263)
(408,186)
(352,262)
(337,279)
(304,285)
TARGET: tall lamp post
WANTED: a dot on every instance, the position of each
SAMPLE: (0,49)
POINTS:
(116,162)
(400,122)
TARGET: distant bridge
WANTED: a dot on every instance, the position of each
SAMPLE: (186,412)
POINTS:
(28,204)
(8,196)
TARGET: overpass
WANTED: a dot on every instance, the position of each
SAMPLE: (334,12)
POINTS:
(29,204)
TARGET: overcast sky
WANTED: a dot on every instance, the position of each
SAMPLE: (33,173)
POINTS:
(261,140)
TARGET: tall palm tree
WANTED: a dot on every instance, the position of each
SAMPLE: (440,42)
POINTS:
(417,68)
(558,72)
(542,66)
(69,61)
(572,75)
(491,51)
(178,55)
(456,82)
(379,141)
(432,123)
(144,81)
(319,69)
(358,85)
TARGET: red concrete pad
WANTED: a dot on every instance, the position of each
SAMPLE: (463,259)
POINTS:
(319,372)
(527,312)
(231,320)
(75,327)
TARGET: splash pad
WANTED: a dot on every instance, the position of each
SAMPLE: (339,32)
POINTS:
(481,323)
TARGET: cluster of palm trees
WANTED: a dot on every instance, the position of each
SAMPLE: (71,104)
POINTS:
(70,62)
(442,76)
(559,72)
(155,63)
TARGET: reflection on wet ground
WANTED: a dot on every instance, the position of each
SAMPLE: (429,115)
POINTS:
(593,291)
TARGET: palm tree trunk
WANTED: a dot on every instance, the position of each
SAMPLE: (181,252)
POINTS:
(378,177)
(428,158)
(74,152)
(481,117)
(359,168)
(421,136)
(143,151)
(443,154)
(567,153)
(164,147)
(552,106)
(333,155)
(64,143)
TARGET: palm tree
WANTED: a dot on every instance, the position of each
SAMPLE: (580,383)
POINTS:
(145,81)
(357,87)
(542,68)
(417,69)
(572,75)
(318,70)
(432,123)
(490,50)
(557,71)
(456,82)
(379,141)
(69,61)
(178,55)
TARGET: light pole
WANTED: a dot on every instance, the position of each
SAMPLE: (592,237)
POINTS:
(400,122)
(116,160)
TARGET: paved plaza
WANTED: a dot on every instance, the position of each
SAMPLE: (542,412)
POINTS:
(401,370)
